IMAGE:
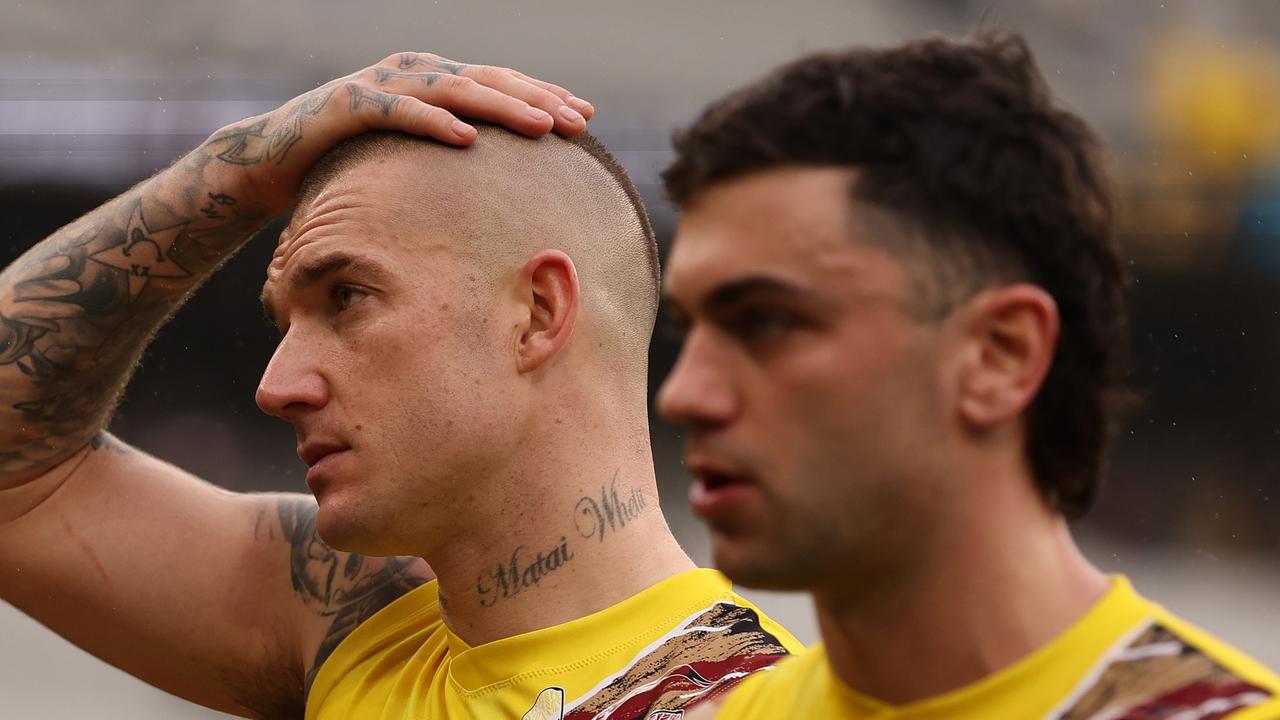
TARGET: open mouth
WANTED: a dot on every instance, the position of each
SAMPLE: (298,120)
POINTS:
(713,480)
(717,493)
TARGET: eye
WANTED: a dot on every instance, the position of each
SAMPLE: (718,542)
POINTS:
(344,296)
(757,325)
(673,325)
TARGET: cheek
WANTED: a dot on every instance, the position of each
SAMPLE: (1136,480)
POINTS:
(851,407)
(436,380)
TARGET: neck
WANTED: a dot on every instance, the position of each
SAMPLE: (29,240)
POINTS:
(578,531)
(1000,579)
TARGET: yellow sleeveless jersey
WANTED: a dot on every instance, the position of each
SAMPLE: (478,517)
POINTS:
(685,640)
(1126,659)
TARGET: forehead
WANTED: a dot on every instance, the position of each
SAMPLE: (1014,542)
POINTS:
(366,210)
(798,225)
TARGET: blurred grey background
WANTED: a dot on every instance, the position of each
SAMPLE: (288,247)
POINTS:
(94,97)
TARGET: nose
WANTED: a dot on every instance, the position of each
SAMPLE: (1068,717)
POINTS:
(699,392)
(292,383)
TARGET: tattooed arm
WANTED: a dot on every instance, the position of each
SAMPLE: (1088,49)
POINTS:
(76,310)
(210,595)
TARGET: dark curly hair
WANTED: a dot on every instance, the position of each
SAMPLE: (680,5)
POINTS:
(961,142)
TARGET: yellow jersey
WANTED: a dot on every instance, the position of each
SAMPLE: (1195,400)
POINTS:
(1126,659)
(683,641)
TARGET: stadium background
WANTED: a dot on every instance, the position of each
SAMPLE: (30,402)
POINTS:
(94,97)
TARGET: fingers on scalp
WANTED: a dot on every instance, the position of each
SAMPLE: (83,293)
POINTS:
(360,97)
(372,108)
(567,121)
(511,83)
(473,99)
(549,87)
(426,119)
(583,107)
(486,103)
(451,83)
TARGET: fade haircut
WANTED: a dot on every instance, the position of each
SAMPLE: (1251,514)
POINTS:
(962,145)
(517,195)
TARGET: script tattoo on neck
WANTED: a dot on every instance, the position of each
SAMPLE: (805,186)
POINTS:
(592,517)
(611,512)
(520,573)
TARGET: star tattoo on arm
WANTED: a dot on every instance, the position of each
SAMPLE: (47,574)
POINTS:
(145,254)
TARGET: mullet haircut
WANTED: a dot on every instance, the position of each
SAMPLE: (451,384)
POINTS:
(961,142)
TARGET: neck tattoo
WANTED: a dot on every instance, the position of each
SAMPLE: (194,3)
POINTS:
(592,517)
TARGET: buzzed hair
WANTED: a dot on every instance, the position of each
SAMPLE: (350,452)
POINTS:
(587,205)
(596,149)
(376,142)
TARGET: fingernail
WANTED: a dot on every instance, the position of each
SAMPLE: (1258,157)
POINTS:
(580,105)
(570,114)
(538,114)
(462,129)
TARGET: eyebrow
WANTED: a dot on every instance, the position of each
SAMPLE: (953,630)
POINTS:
(315,270)
(732,293)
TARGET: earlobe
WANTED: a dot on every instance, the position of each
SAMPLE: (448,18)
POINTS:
(1012,335)
(548,287)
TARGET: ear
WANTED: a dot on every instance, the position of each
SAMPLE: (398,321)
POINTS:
(1011,333)
(547,288)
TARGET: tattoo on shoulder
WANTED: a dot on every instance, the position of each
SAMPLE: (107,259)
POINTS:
(347,587)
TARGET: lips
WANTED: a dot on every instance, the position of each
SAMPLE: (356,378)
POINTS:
(313,452)
(713,480)
(718,491)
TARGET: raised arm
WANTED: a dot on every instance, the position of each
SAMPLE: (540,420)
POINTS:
(77,309)
(229,600)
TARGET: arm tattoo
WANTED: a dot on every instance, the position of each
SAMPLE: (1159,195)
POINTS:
(142,256)
(347,587)
(253,143)
(77,310)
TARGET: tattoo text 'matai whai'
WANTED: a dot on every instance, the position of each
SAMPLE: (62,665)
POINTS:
(593,517)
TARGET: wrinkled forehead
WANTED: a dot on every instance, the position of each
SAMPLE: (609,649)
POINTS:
(394,201)
(363,224)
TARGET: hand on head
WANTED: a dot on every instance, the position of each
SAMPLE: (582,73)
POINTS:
(267,156)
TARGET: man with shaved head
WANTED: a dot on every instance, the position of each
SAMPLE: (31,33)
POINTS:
(463,358)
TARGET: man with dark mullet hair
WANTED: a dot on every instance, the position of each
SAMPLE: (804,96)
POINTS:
(463,349)
(905,347)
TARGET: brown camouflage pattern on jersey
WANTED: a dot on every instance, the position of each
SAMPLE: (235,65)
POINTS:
(1159,675)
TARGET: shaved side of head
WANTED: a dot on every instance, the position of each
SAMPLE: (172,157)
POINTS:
(506,197)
